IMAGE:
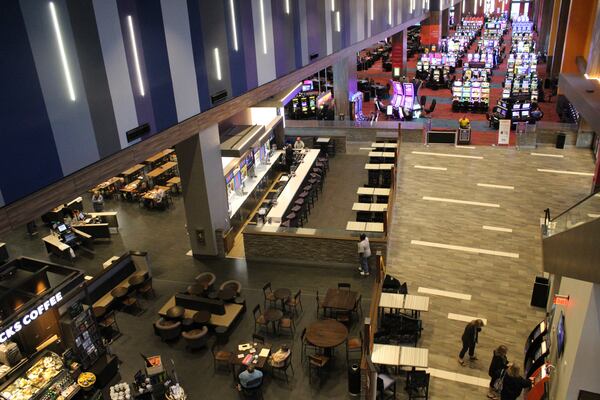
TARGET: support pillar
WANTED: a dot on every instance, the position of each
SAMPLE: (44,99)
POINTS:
(431,28)
(593,56)
(344,85)
(596,182)
(445,22)
(580,24)
(204,193)
(399,57)
(559,43)
(544,23)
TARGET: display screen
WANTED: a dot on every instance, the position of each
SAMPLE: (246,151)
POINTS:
(560,335)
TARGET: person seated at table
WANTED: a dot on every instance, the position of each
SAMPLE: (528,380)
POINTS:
(251,378)
(98,202)
(299,144)
(278,358)
(78,216)
(464,122)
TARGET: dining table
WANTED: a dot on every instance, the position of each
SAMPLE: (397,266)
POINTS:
(326,334)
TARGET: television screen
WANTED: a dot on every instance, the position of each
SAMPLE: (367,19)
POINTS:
(560,335)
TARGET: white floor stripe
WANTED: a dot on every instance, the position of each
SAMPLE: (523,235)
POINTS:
(489,185)
(466,147)
(434,168)
(465,249)
(495,228)
(594,215)
(445,293)
(366,148)
(548,155)
(428,153)
(471,203)
(555,171)
(456,377)
(465,318)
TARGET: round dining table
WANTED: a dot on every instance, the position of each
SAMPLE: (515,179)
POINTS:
(327,334)
(283,295)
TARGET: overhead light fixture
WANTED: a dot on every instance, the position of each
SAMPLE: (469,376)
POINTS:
(218,63)
(332,5)
(463,6)
(389,12)
(262,25)
(136,60)
(475,7)
(371,9)
(61,49)
(423,5)
(233,26)
(338,23)
(287,6)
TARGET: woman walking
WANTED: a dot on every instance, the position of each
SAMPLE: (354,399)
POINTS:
(497,367)
(469,340)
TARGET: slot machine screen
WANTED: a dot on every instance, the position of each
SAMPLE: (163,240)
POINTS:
(304,105)
(503,112)
(307,86)
(294,105)
(313,103)
(249,160)
(389,110)
(230,182)
(237,180)
(409,97)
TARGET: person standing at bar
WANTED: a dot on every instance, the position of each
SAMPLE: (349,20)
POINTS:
(299,144)
(469,340)
(364,252)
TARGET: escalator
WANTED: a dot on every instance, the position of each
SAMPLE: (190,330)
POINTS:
(571,241)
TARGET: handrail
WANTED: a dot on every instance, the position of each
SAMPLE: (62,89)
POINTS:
(573,206)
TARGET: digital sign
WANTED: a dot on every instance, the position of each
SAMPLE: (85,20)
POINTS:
(29,317)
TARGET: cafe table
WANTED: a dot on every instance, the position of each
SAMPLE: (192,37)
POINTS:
(238,356)
(282,294)
(272,315)
(327,334)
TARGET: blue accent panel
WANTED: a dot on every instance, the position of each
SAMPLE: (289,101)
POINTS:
(29,160)
(297,34)
(237,64)
(198,46)
(158,73)
(247,35)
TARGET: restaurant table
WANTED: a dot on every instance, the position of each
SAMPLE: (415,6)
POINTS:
(378,207)
(391,300)
(327,334)
(381,192)
(365,191)
(416,304)
(237,361)
(175,312)
(282,294)
(201,317)
(364,226)
(119,292)
(272,315)
(385,354)
(226,294)
(340,299)
(384,145)
(400,356)
(162,169)
(361,206)
(132,170)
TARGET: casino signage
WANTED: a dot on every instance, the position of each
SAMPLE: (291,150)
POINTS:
(31,315)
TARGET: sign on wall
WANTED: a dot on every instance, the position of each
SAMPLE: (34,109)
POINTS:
(504,131)
(29,317)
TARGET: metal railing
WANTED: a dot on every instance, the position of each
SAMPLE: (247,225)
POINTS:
(584,211)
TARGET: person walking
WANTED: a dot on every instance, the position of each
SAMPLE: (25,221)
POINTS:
(496,371)
(469,340)
(364,252)
(513,383)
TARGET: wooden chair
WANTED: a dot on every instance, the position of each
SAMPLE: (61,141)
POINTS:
(287,322)
(316,362)
(319,306)
(354,344)
(295,302)
(343,285)
(286,365)
(345,317)
(305,345)
(269,295)
(259,318)
(222,357)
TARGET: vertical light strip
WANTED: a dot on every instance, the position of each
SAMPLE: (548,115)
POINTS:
(332,5)
(371,9)
(389,12)
(287,6)
(136,60)
(463,6)
(263,27)
(233,26)
(63,54)
(338,24)
(475,8)
(218,63)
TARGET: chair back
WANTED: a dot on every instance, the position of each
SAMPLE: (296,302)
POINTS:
(267,287)
(403,288)
(358,301)
(343,285)
(297,296)
(302,335)
(256,312)
(258,338)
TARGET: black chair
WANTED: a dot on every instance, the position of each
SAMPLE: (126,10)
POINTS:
(286,365)
(258,338)
(431,107)
(417,385)
(386,383)
(268,294)
(422,101)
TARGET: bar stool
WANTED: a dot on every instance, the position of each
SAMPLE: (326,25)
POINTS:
(321,166)
(291,217)
(309,189)
(301,215)
(304,196)
(285,224)
(325,161)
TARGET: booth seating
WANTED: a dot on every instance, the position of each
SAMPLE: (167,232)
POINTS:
(167,330)
(196,338)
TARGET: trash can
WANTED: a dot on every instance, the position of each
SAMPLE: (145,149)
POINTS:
(354,380)
(560,140)
(541,289)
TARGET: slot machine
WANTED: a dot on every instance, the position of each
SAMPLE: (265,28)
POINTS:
(312,104)
(537,358)
(456,95)
(295,107)
(304,106)
(229,182)
(525,110)
(409,96)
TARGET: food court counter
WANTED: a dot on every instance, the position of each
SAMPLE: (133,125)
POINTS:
(293,186)
(250,183)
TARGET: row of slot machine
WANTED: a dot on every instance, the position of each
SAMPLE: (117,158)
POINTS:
(470,96)
(521,86)
(487,59)
(522,24)
(521,63)
(476,74)
(304,106)
(515,110)
(405,99)
(537,349)
(432,60)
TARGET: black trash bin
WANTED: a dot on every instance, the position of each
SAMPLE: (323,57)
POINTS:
(541,289)
(560,140)
(354,380)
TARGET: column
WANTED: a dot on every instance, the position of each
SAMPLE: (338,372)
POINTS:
(204,193)
(593,56)
(560,39)
(431,27)
(344,84)
(445,17)
(399,48)
(596,182)
(581,19)
(544,23)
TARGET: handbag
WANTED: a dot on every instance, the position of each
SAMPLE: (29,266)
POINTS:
(498,383)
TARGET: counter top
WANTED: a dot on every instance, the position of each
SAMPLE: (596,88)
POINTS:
(291,188)
(236,201)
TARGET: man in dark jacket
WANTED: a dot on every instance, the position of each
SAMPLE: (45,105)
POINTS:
(469,340)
